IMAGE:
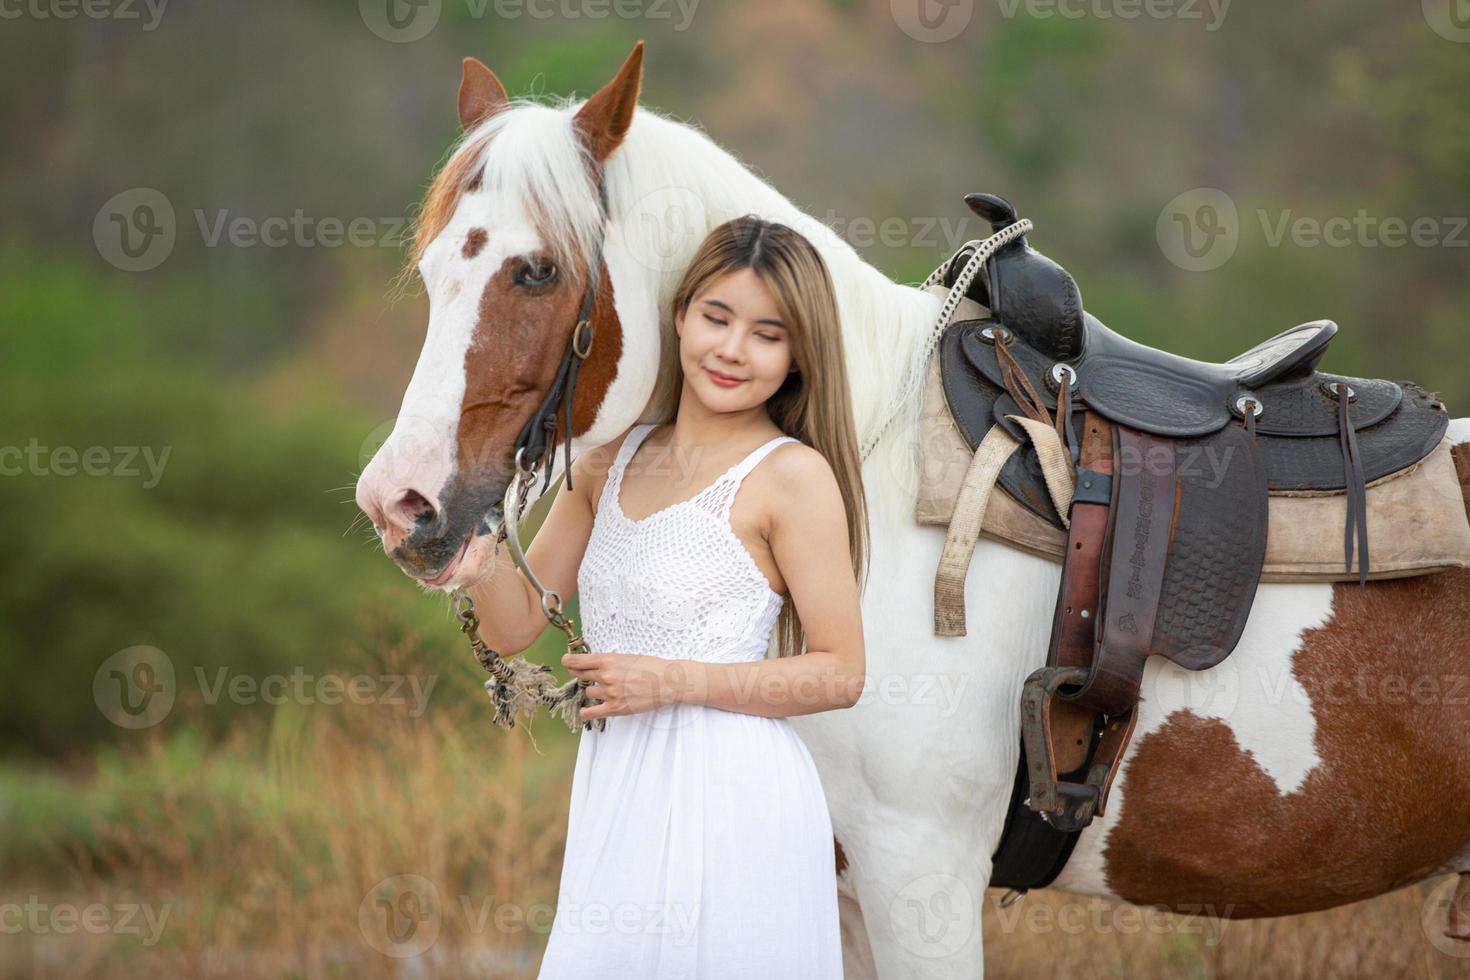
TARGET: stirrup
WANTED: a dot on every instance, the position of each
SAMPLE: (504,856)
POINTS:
(1067,804)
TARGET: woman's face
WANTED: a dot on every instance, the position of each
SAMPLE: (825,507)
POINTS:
(732,329)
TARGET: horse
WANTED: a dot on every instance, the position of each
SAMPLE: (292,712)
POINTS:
(1325,762)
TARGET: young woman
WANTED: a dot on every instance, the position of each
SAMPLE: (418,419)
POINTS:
(699,843)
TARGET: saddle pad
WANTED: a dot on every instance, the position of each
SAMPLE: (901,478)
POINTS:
(1417,518)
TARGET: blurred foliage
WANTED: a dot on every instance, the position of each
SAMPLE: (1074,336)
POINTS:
(217,530)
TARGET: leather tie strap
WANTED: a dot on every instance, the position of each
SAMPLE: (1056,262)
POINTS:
(1357,488)
(1016,381)
(1064,420)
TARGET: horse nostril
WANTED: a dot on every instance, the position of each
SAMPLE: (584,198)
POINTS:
(414,508)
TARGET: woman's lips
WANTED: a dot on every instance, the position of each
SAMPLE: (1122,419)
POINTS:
(723,381)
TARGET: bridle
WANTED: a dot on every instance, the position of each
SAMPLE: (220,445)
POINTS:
(539,432)
(517,686)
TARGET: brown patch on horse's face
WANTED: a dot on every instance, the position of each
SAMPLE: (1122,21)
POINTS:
(474,243)
(518,344)
(1389,803)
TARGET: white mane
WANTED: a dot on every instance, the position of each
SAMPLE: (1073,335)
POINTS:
(667,186)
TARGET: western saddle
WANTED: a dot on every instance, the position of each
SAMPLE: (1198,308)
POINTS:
(1174,461)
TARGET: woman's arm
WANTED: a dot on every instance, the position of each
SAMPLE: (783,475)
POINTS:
(509,608)
(808,537)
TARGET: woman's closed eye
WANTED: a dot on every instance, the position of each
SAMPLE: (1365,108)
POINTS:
(763,336)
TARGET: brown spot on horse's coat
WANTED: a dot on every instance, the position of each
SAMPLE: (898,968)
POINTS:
(1389,802)
(841,857)
(474,242)
(512,360)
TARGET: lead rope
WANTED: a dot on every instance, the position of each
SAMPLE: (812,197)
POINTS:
(517,686)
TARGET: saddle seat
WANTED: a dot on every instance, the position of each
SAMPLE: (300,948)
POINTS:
(1164,393)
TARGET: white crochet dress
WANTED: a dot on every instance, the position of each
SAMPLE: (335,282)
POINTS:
(699,846)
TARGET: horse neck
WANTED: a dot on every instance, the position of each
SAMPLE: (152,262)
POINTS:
(885,325)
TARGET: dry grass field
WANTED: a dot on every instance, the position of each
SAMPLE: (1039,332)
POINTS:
(363,842)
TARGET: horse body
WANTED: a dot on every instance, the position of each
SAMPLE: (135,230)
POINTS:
(1256,788)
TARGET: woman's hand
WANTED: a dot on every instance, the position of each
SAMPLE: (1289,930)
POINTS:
(627,683)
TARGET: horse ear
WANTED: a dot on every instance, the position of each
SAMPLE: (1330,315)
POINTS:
(604,120)
(480,94)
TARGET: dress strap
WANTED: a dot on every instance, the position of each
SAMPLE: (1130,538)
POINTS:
(630,445)
(750,462)
(730,482)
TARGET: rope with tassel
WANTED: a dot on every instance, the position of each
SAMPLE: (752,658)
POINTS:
(516,686)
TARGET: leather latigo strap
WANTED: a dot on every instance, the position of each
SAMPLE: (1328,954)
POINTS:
(1074,622)
(1142,525)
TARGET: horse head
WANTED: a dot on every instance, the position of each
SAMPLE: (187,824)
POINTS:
(525,354)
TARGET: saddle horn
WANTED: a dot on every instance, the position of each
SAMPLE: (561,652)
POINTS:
(1025,291)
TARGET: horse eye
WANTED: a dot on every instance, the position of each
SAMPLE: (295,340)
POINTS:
(537,272)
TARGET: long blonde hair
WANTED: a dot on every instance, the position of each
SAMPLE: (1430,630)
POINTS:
(813,404)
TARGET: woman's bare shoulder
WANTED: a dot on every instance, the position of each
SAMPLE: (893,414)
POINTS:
(590,467)
(798,464)
(796,480)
